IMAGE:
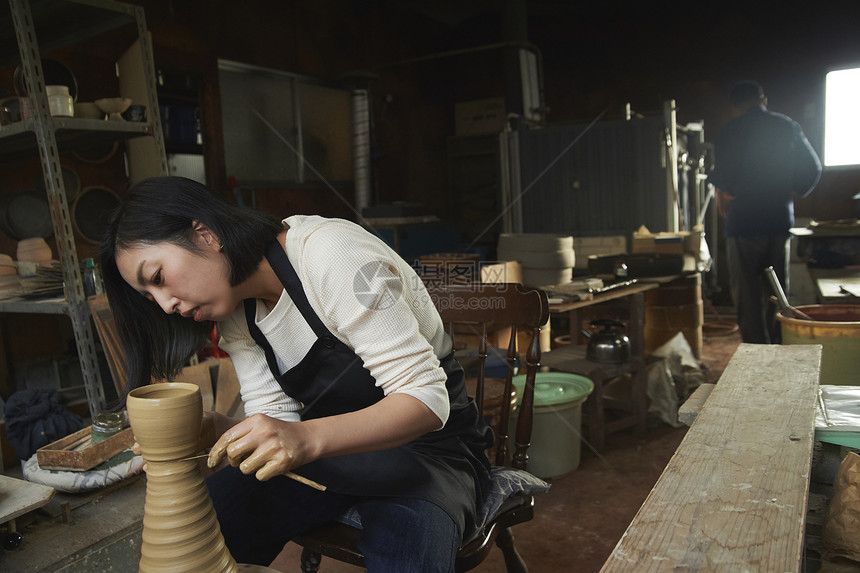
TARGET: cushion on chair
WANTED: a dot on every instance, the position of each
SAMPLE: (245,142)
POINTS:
(505,483)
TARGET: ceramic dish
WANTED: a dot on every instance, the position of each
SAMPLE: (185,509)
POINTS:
(71,182)
(34,250)
(113,107)
(97,154)
(55,74)
(88,110)
(11,109)
(91,211)
(24,214)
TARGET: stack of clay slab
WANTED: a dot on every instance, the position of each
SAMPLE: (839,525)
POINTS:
(547,259)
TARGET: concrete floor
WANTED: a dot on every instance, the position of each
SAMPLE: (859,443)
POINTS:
(576,526)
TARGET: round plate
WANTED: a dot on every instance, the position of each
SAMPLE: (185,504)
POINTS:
(71,182)
(25,214)
(55,74)
(96,155)
(91,211)
(13,108)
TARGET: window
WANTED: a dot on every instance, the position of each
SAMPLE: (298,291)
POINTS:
(841,117)
(284,128)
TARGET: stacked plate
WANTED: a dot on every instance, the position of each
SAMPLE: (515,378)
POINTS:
(8,273)
(547,259)
(34,250)
(25,213)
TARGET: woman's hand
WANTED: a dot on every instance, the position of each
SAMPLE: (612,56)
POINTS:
(263,446)
(270,447)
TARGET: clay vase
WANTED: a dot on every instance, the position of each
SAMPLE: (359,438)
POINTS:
(180,529)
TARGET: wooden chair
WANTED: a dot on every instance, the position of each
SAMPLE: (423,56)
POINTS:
(109,337)
(480,308)
(216,377)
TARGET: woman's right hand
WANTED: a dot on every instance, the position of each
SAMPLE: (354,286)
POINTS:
(263,446)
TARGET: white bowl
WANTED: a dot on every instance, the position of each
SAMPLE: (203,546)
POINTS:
(114,106)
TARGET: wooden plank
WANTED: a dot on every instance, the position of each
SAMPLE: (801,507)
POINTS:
(829,283)
(613,294)
(17,497)
(690,409)
(733,497)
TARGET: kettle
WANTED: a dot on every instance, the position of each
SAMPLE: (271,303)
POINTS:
(608,346)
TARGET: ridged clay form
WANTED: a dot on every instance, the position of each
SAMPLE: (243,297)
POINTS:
(180,528)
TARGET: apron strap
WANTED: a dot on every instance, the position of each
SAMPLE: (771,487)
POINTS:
(257,335)
(277,257)
(285,272)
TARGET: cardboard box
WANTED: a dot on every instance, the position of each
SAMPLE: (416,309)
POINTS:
(502,272)
(587,246)
(479,117)
(434,271)
(682,242)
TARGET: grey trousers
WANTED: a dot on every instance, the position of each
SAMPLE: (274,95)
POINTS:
(747,259)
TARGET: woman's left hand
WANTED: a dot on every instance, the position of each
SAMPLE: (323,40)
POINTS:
(263,446)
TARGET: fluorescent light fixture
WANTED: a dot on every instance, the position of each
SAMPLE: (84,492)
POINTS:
(842,117)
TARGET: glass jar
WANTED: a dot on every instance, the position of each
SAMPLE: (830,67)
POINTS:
(106,424)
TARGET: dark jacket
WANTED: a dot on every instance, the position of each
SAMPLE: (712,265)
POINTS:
(763,159)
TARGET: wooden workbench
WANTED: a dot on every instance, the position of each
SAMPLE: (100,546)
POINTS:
(734,495)
(17,497)
(831,284)
(634,295)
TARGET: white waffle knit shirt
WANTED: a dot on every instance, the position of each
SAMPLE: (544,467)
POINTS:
(367,296)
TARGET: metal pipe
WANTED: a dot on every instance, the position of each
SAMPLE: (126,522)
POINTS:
(361,147)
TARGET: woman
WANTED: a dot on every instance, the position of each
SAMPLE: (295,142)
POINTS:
(346,373)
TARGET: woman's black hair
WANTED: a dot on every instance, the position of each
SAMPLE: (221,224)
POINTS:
(158,345)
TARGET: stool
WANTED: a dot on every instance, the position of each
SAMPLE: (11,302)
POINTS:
(572,359)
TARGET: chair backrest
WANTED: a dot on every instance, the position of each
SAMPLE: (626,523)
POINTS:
(224,397)
(109,337)
(480,310)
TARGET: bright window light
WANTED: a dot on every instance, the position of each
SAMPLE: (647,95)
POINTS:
(842,117)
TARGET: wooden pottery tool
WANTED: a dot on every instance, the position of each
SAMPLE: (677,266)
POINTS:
(781,298)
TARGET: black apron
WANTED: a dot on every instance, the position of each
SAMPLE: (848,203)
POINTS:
(448,467)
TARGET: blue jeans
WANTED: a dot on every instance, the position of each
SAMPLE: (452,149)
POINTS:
(747,259)
(258,518)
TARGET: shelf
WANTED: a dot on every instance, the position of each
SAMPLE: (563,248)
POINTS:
(18,140)
(63,22)
(37,306)
(40,27)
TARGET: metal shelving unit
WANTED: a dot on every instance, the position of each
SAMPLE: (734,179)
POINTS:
(29,28)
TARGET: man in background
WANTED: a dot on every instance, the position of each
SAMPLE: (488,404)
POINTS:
(761,160)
